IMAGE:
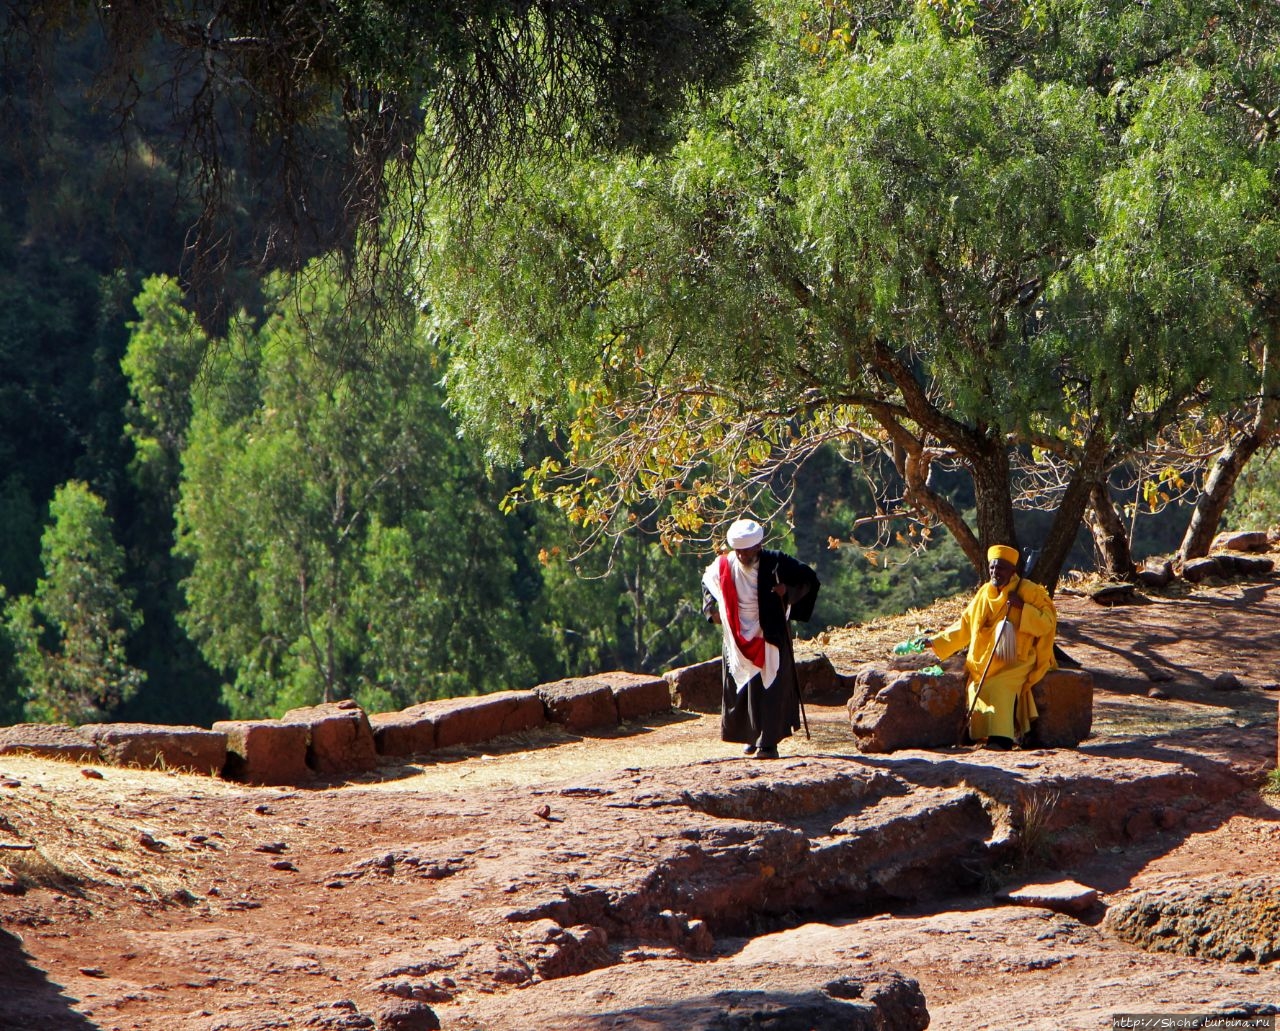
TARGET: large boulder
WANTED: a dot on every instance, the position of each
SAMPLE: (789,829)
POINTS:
(1197,570)
(1241,540)
(1247,565)
(890,709)
(404,732)
(697,688)
(340,740)
(1229,918)
(1156,573)
(456,721)
(465,721)
(193,749)
(1226,565)
(820,683)
(895,709)
(637,694)
(1064,700)
(266,751)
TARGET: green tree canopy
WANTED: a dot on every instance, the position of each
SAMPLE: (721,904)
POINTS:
(891,235)
(319,105)
(342,541)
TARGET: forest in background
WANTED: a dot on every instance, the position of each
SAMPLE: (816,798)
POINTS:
(219,498)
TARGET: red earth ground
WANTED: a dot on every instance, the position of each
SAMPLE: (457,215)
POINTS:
(157,900)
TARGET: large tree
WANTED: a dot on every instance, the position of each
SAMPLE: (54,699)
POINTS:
(892,237)
(1231,121)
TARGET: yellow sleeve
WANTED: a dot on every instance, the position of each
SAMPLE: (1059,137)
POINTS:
(1037,621)
(955,637)
(1040,619)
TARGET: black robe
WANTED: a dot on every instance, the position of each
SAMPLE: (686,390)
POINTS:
(757,714)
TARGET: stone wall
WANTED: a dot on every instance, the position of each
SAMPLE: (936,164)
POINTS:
(338,739)
(889,709)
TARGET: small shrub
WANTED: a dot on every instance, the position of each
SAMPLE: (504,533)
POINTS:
(1034,823)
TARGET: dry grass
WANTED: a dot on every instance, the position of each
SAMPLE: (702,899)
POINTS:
(84,837)
(859,643)
(34,869)
(1034,817)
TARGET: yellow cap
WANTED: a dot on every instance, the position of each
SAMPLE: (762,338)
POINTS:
(1003,551)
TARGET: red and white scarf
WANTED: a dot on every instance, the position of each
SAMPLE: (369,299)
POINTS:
(735,589)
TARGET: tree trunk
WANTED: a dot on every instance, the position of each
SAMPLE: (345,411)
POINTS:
(1110,538)
(913,465)
(982,453)
(1216,496)
(1066,520)
(1235,456)
(993,500)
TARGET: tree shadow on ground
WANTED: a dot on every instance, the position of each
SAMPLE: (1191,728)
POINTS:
(751,1010)
(1130,647)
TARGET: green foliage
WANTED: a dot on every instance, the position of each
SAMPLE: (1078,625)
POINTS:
(859,584)
(165,353)
(342,541)
(302,114)
(10,677)
(1255,505)
(893,235)
(69,637)
(20,542)
(630,606)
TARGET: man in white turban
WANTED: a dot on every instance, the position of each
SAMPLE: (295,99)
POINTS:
(751,592)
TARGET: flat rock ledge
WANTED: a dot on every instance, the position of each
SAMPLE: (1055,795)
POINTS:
(738,998)
(721,849)
(727,845)
(1060,896)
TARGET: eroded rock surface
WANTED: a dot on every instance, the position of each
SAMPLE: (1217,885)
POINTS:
(1236,920)
(634,876)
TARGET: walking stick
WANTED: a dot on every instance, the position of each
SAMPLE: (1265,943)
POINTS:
(795,680)
(795,677)
(977,691)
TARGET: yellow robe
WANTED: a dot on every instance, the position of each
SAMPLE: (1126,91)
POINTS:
(1005,707)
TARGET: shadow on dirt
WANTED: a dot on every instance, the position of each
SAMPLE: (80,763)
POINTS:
(30,1000)
(1138,648)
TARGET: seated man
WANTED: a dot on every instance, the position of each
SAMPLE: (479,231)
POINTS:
(1008,628)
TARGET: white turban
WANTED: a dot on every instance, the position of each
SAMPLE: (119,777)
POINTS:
(745,533)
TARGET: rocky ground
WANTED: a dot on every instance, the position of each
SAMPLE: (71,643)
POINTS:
(651,877)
